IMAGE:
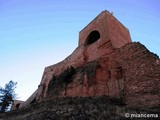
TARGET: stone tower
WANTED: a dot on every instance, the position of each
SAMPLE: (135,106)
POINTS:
(105,62)
(96,42)
(105,27)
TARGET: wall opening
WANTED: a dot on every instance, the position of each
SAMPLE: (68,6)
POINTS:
(92,37)
(17,106)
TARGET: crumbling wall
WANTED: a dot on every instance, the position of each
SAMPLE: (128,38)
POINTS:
(141,75)
(111,66)
(16,104)
(85,54)
(30,100)
(131,73)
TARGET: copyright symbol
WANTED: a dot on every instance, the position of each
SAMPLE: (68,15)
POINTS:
(127,115)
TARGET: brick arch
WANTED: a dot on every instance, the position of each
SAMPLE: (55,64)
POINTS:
(92,37)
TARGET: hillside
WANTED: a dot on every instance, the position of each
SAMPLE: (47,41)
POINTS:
(78,108)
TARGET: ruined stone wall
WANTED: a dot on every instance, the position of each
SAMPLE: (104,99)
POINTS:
(131,73)
(78,61)
(141,71)
(85,54)
(16,104)
(29,101)
(110,65)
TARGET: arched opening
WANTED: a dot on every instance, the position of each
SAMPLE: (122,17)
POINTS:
(17,106)
(92,37)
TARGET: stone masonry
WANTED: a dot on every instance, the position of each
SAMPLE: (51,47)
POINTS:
(97,42)
(105,62)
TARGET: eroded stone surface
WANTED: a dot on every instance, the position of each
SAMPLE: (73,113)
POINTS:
(111,65)
(86,55)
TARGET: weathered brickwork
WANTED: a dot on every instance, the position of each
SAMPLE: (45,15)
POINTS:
(141,74)
(105,62)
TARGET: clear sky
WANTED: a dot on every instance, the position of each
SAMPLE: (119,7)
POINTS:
(38,33)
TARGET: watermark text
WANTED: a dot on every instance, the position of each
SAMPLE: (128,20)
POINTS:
(136,115)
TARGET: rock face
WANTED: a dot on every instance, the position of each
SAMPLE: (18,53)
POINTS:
(105,62)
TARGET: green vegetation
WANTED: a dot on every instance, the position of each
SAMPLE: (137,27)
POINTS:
(7,95)
(60,82)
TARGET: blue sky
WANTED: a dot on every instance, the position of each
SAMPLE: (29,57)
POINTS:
(38,33)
